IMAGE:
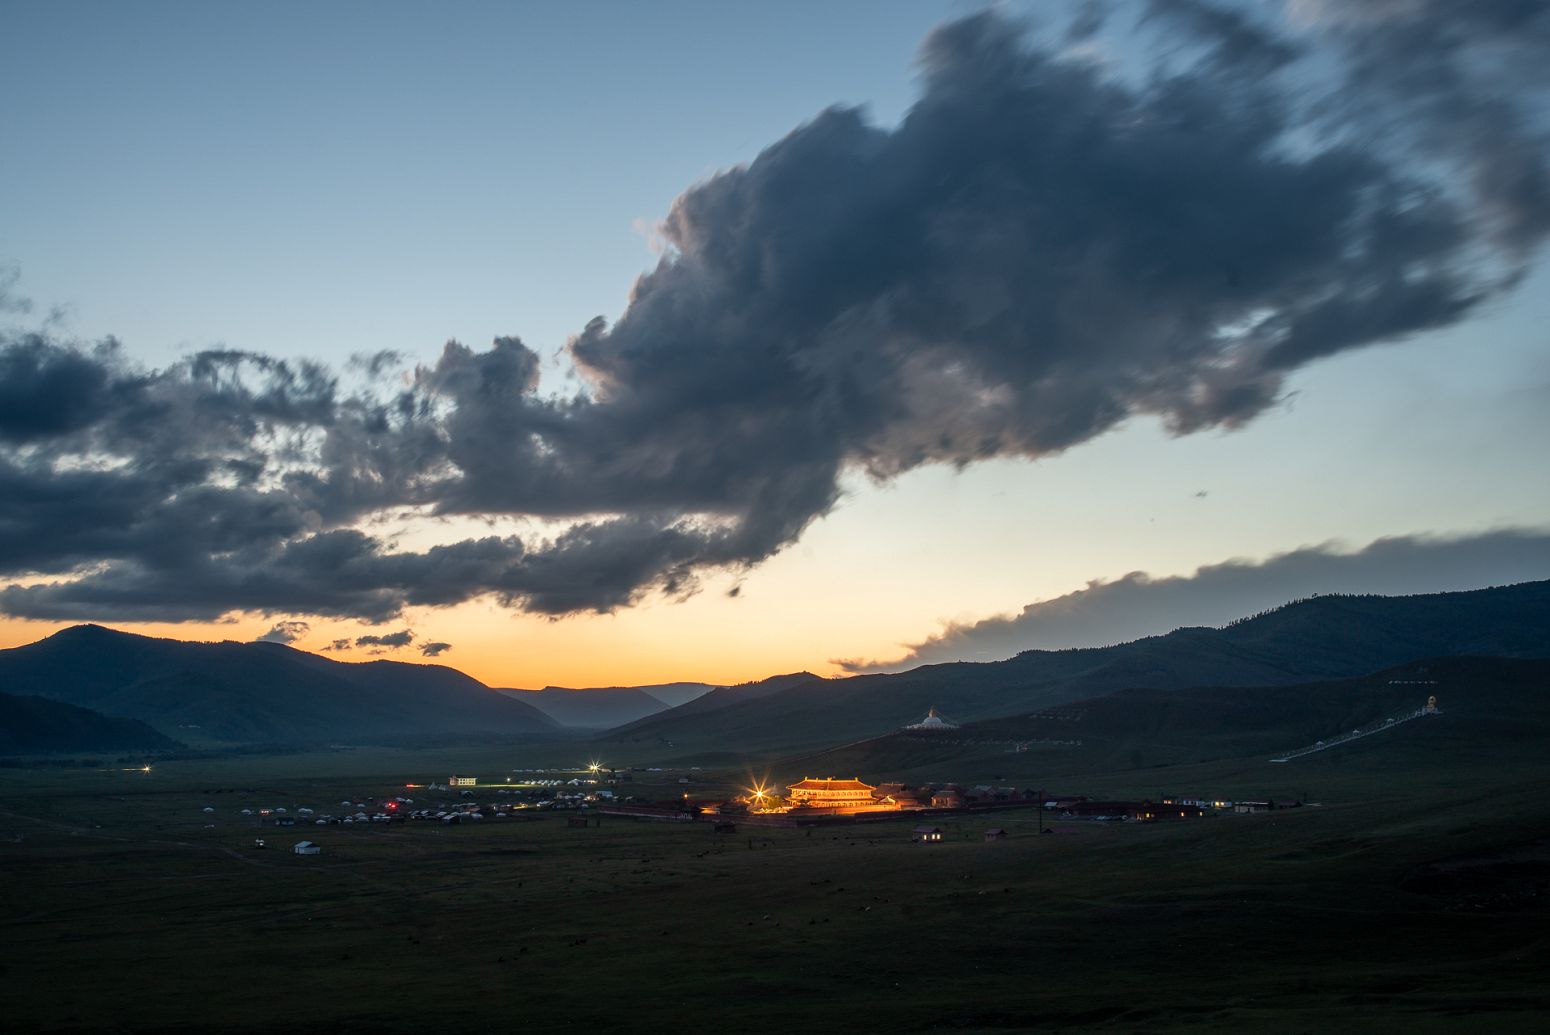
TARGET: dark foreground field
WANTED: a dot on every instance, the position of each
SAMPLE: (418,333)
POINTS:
(1412,899)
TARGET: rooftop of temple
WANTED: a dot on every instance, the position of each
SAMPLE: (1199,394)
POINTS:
(807,783)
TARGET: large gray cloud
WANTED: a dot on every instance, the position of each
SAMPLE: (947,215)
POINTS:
(1040,250)
(1437,73)
(1138,604)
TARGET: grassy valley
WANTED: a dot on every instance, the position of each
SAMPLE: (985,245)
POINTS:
(1412,895)
(1408,890)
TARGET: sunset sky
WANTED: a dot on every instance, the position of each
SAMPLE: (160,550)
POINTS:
(948,311)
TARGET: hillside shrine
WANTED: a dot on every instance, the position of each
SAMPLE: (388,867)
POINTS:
(932,723)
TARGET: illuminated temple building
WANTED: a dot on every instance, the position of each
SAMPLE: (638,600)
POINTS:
(837,796)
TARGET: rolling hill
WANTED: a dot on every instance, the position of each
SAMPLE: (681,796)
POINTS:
(609,706)
(719,698)
(35,725)
(1494,707)
(1322,638)
(258,692)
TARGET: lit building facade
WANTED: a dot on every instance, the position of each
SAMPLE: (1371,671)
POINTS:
(836,795)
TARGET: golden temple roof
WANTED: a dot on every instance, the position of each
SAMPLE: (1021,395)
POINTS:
(831,784)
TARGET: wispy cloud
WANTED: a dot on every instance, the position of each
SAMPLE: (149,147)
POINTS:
(402,638)
(285,632)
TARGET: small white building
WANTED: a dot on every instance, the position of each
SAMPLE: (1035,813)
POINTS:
(932,723)
(307,848)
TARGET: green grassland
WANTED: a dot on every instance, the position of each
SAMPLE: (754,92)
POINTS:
(1412,897)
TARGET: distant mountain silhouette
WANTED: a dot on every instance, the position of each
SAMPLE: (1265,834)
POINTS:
(674,694)
(719,698)
(1327,637)
(258,692)
(609,706)
(35,725)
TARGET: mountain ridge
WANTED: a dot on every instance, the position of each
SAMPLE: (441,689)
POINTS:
(30,724)
(1488,703)
(1318,638)
(273,693)
(608,706)
(257,692)
(725,696)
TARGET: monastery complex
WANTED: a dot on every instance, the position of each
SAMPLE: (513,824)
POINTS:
(837,797)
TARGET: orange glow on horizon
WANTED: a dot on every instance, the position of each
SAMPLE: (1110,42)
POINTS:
(787,615)
(581,656)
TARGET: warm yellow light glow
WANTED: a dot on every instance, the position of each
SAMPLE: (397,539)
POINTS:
(715,637)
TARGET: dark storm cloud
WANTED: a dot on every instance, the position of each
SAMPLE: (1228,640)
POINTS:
(401,638)
(434,650)
(1039,251)
(1140,605)
(1464,81)
(1232,39)
(47,391)
(285,632)
(1035,254)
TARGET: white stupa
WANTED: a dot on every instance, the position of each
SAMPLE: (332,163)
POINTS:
(932,722)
